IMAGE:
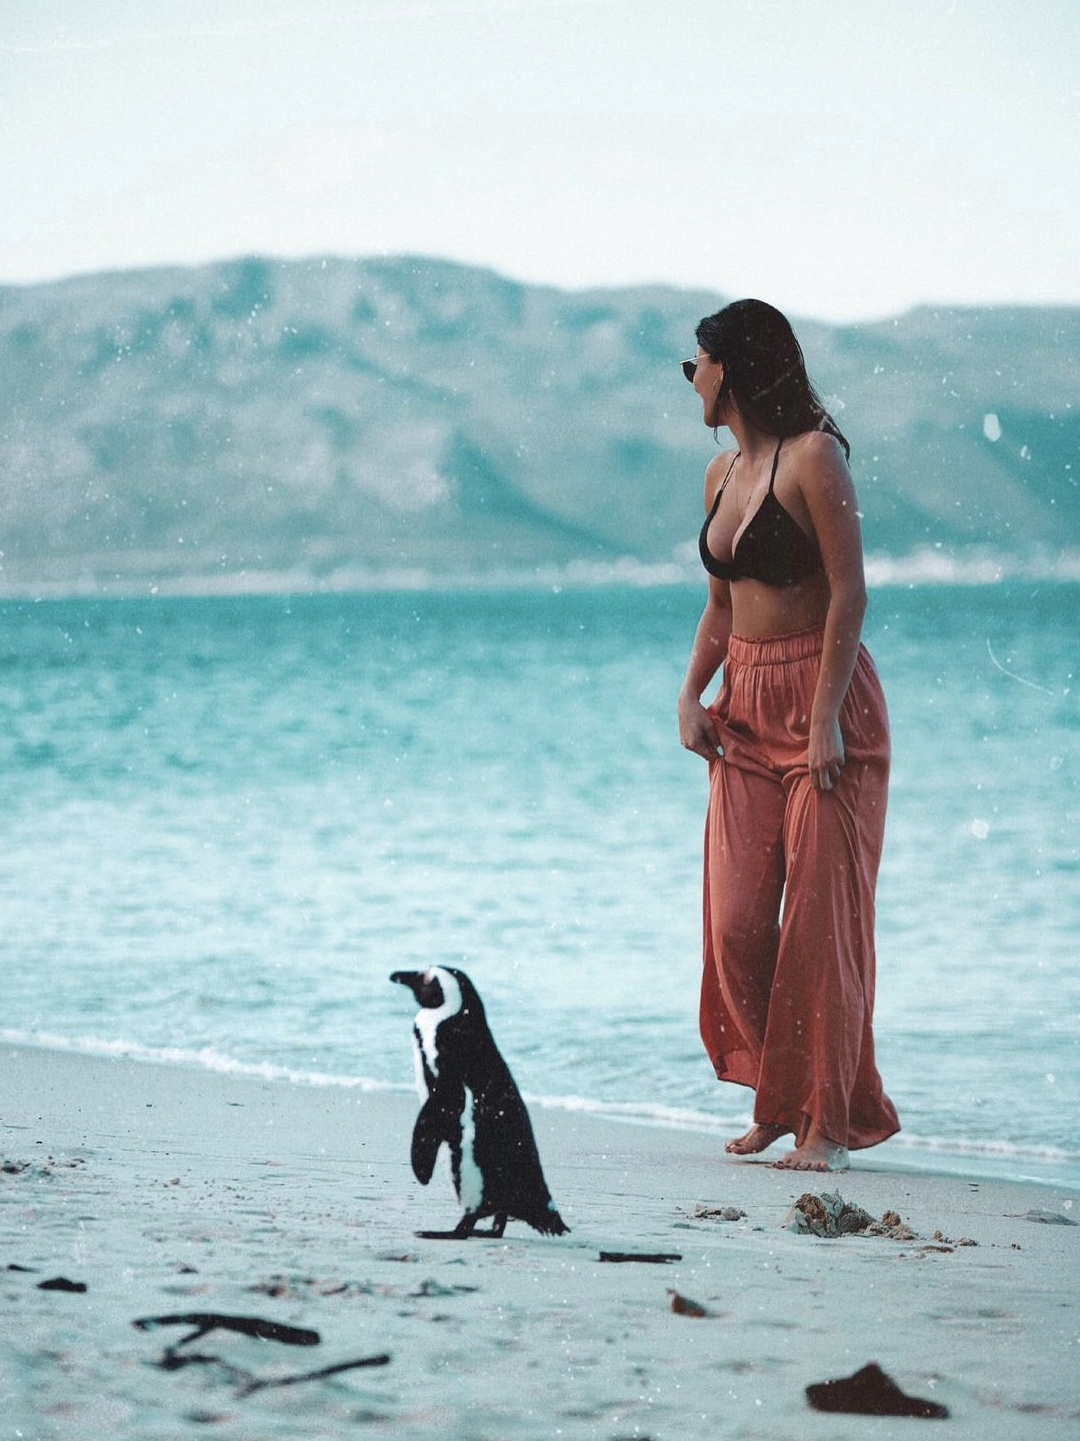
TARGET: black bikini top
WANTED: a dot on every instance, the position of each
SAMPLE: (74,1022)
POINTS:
(773,548)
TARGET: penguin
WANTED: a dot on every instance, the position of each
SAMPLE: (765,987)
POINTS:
(471,1104)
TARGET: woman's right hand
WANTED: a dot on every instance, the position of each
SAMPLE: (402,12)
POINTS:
(696,730)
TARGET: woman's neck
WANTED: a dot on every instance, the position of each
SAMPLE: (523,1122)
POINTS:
(753,443)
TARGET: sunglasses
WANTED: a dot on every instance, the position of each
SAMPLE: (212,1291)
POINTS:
(689,367)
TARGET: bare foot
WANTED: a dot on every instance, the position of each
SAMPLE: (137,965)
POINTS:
(758,1138)
(817,1153)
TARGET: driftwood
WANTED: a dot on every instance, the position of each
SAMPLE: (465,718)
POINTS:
(61,1283)
(656,1258)
(207,1321)
(246,1382)
(383,1359)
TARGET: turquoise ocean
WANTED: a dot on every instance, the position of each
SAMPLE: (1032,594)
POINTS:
(225,821)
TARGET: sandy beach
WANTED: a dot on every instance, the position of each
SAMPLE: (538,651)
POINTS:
(182,1193)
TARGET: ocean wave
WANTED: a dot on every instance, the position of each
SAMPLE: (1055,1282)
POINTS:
(991,1150)
(929,565)
(204,1058)
(641,1113)
(680,1118)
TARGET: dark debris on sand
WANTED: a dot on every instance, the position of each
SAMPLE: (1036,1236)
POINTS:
(176,1358)
(655,1258)
(704,1212)
(206,1321)
(684,1306)
(828,1214)
(292,1288)
(870,1392)
(1043,1217)
(61,1283)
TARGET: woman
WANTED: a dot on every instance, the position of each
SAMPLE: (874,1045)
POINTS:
(797,742)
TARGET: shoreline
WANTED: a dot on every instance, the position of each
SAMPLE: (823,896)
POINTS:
(903,1153)
(176,1191)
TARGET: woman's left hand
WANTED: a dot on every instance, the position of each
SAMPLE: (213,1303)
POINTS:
(825,754)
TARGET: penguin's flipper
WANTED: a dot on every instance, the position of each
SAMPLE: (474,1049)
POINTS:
(433,1128)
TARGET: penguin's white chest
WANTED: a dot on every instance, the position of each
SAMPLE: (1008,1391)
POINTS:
(418,1055)
(472,1181)
(426,1028)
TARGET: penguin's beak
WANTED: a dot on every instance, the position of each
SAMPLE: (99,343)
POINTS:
(424,986)
(413,979)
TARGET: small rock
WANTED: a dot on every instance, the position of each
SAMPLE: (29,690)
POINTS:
(826,1215)
(1046,1218)
(683,1306)
(718,1213)
(896,1232)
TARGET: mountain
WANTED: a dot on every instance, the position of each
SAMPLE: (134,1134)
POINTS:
(330,422)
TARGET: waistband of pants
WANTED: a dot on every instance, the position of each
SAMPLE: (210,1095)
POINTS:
(776,649)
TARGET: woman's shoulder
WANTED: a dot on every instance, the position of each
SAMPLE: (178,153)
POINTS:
(816,447)
(817,458)
(715,471)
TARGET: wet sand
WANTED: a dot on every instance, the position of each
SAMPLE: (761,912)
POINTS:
(180,1193)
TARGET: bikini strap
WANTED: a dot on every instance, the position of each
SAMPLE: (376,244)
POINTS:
(731,467)
(723,486)
(775,462)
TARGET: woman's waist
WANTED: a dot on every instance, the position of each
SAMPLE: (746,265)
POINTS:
(791,648)
(776,649)
(762,612)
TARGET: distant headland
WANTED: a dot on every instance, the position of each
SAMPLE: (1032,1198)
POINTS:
(331,424)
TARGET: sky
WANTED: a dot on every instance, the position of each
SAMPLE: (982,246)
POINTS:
(844,159)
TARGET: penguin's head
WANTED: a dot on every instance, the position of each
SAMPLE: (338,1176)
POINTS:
(441,986)
(424,985)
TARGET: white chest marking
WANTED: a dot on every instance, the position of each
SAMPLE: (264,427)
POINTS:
(428,1019)
(418,1068)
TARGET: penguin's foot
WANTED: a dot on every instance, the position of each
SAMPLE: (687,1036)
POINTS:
(456,1235)
(466,1227)
(498,1226)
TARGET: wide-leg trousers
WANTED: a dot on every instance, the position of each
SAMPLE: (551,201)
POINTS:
(787,994)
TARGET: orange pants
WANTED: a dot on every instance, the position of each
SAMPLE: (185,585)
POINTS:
(787,990)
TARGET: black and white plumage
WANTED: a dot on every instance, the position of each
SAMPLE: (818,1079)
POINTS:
(471,1105)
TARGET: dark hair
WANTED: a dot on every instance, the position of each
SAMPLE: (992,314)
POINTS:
(764,369)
